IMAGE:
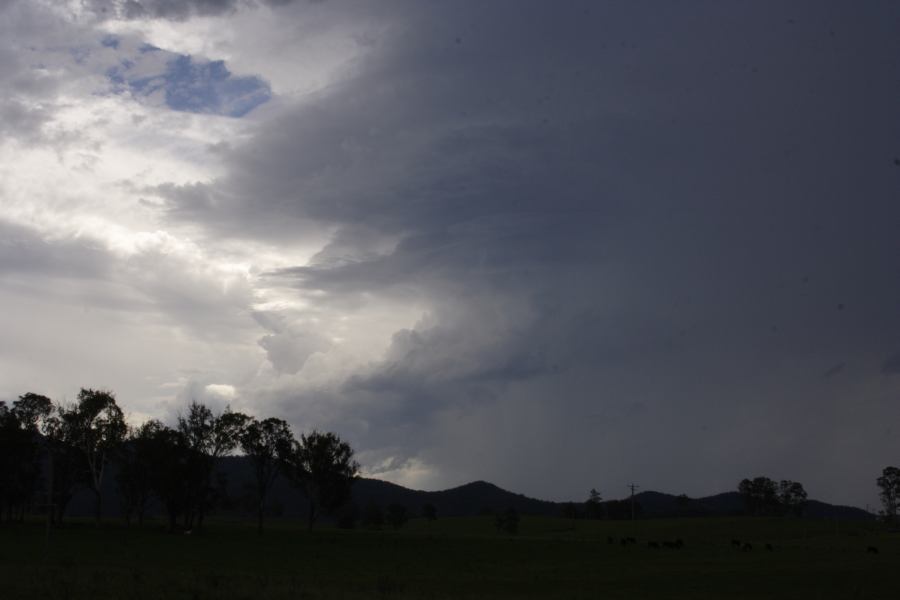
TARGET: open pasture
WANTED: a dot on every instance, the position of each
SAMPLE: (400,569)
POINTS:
(456,558)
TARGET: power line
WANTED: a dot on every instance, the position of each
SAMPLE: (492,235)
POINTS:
(632,487)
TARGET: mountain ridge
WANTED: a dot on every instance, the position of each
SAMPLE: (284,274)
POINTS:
(468,499)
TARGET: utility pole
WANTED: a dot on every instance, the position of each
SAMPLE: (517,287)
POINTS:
(632,487)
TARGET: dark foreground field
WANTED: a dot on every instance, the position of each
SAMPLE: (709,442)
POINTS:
(455,558)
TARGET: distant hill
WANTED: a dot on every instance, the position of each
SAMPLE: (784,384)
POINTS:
(470,499)
(656,504)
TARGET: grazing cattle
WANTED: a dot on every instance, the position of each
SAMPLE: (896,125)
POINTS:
(872,550)
(670,545)
(653,544)
(624,542)
(631,540)
(679,543)
(770,548)
(747,547)
(736,543)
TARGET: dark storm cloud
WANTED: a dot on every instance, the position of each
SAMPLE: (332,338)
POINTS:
(409,145)
(642,215)
(836,369)
(891,365)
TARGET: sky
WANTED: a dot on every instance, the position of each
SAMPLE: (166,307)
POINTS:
(552,245)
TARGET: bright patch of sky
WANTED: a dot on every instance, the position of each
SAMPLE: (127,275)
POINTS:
(186,83)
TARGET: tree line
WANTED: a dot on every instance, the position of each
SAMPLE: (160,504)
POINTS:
(764,496)
(595,507)
(48,451)
(761,496)
(889,492)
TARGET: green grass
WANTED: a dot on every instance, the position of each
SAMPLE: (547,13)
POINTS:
(453,558)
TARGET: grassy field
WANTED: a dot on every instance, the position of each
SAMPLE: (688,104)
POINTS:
(454,558)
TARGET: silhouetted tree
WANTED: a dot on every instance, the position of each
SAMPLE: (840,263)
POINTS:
(322,467)
(621,509)
(373,516)
(21,446)
(760,494)
(168,451)
(889,486)
(135,460)
(429,512)
(6,462)
(593,506)
(507,521)
(31,410)
(208,438)
(66,468)
(13,441)
(262,442)
(791,497)
(98,428)
(397,515)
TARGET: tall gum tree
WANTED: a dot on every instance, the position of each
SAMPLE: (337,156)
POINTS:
(261,442)
(98,427)
(322,466)
(208,438)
